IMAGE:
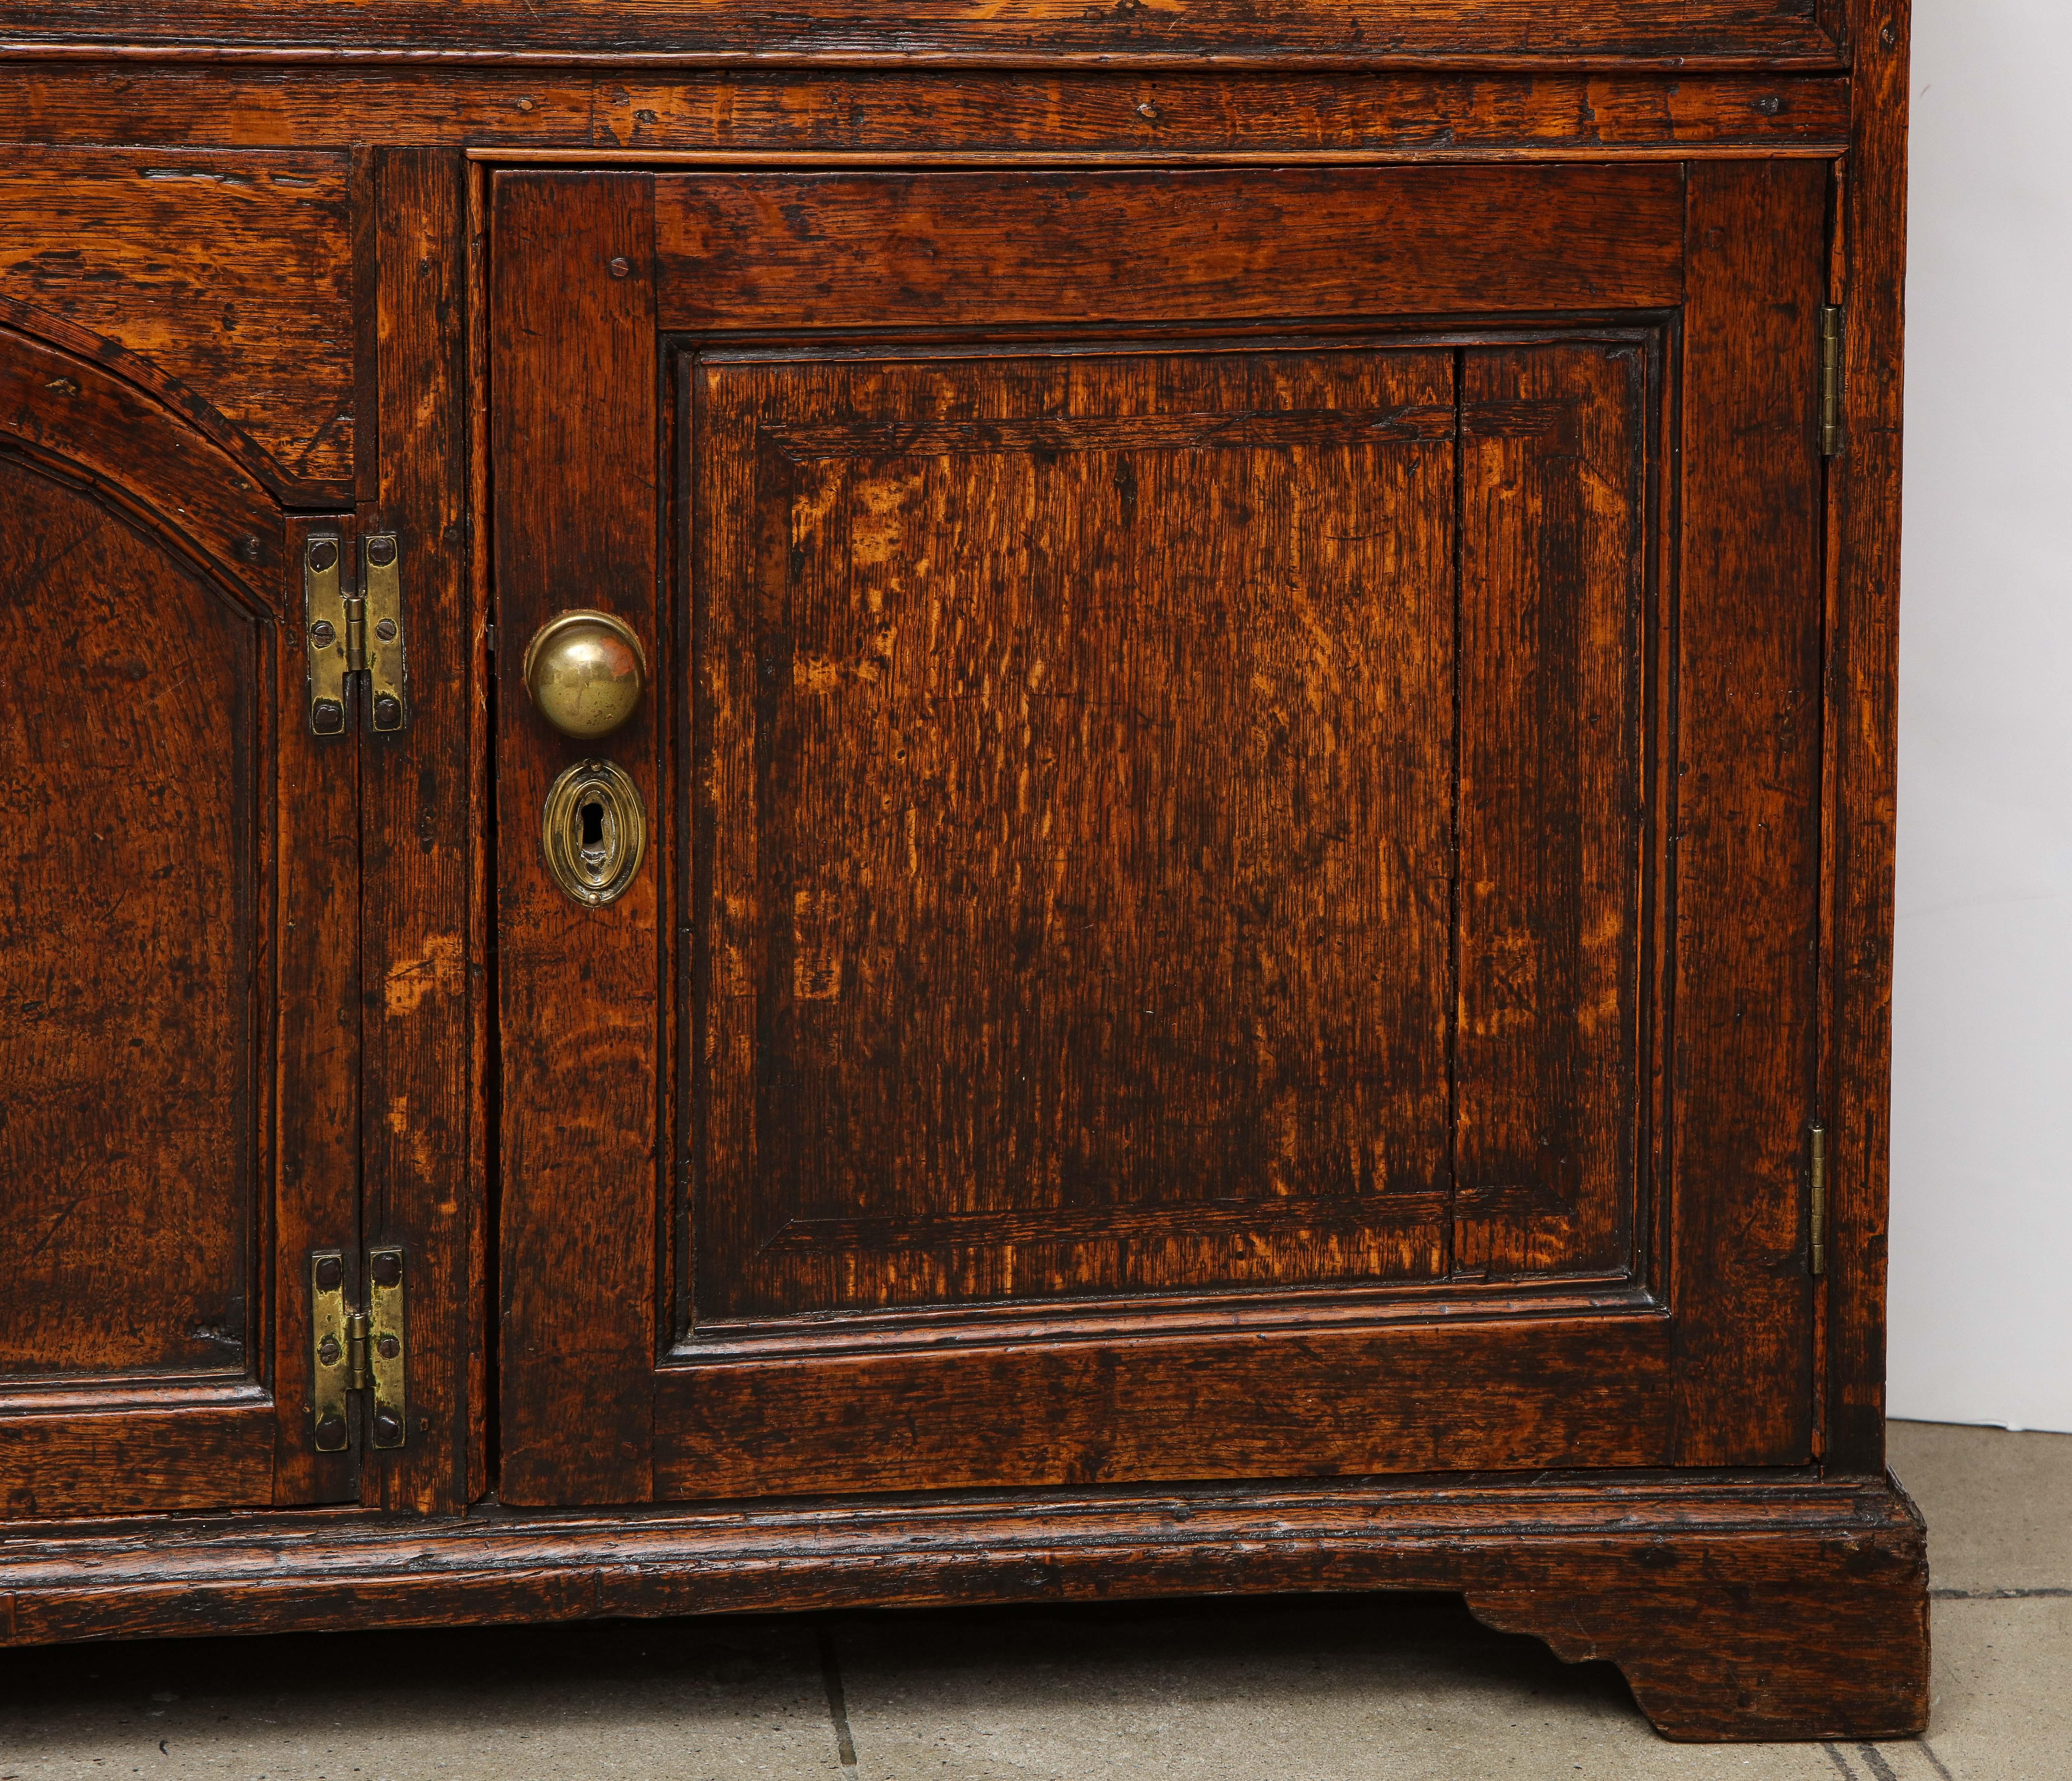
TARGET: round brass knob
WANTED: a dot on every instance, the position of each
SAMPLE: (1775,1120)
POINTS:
(586,672)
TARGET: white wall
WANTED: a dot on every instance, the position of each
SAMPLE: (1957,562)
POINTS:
(1982,1126)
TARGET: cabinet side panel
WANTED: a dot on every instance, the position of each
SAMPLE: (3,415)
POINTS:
(1747,792)
(1863,690)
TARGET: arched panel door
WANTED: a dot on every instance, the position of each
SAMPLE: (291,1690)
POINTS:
(178,1023)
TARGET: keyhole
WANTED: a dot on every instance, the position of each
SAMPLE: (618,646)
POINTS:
(593,825)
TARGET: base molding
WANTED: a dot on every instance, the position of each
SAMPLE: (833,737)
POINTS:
(1738,1607)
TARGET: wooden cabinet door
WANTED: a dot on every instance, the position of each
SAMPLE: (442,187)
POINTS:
(1232,783)
(178,1018)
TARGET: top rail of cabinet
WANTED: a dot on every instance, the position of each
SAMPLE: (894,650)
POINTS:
(1347,34)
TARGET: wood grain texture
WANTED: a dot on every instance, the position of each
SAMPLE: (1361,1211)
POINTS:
(1073,760)
(228,272)
(1552,824)
(171,976)
(1458,1396)
(1362,32)
(138,1458)
(1748,806)
(128,1144)
(1862,688)
(415,838)
(316,1087)
(1744,1564)
(854,250)
(574,463)
(1168,111)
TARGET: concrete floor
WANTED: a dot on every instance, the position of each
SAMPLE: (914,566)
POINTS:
(1405,1688)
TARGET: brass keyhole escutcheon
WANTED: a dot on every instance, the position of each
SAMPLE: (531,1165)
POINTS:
(594,832)
(585,671)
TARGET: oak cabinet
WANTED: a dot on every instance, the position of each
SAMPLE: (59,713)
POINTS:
(1237,941)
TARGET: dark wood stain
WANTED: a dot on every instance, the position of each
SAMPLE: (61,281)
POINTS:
(1304,521)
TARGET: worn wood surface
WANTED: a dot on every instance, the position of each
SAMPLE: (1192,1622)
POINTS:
(160,1000)
(1748,805)
(993,249)
(1360,31)
(1743,1567)
(574,445)
(416,838)
(229,273)
(1170,111)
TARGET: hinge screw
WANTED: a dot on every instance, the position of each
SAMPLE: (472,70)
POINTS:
(323,634)
(327,717)
(381,552)
(329,1351)
(386,630)
(323,552)
(387,712)
(331,1273)
(331,1434)
(387,1428)
(387,1268)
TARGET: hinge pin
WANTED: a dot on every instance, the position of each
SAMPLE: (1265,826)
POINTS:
(1816,1172)
(1831,380)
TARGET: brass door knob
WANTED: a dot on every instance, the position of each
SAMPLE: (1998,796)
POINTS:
(586,672)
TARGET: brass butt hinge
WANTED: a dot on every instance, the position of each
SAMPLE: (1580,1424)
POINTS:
(1831,380)
(1816,1176)
(352,630)
(357,1350)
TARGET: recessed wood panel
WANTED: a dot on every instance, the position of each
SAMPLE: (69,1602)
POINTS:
(942,249)
(127,947)
(1077,795)
(179,1008)
(1553,821)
